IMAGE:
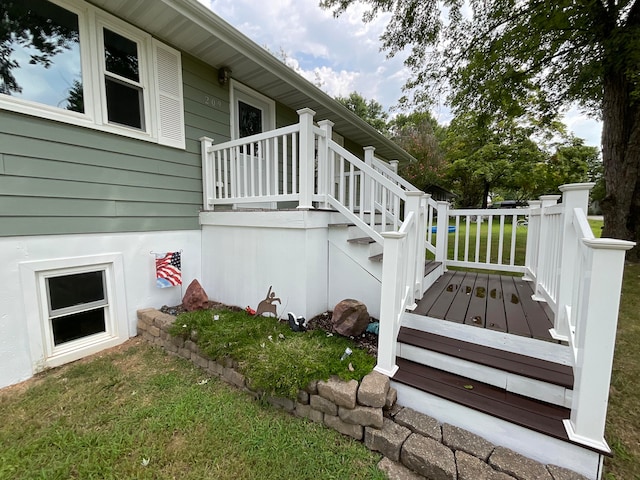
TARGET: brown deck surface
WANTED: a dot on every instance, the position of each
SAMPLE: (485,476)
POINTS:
(497,302)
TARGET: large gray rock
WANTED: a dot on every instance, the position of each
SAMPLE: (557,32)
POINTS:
(517,465)
(336,423)
(419,423)
(323,405)
(459,439)
(339,392)
(350,317)
(195,298)
(388,440)
(429,458)
(373,390)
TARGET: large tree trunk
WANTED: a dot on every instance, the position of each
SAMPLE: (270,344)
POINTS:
(621,157)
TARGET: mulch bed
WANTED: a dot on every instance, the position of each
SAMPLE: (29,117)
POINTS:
(367,341)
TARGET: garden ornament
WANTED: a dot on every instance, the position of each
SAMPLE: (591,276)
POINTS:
(297,324)
(268,304)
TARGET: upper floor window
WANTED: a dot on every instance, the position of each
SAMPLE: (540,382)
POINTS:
(47,68)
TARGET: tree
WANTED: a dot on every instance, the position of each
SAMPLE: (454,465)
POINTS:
(419,134)
(532,56)
(369,110)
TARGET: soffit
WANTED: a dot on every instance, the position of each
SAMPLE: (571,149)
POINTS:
(194,29)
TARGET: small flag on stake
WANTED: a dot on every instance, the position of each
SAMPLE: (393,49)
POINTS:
(168,272)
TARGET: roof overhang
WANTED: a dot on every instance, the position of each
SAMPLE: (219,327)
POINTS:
(196,30)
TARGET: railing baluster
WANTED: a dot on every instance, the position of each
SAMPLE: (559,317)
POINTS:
(466,240)
(501,239)
(341,180)
(225,162)
(478,236)
(285,164)
(294,163)
(351,187)
(489,237)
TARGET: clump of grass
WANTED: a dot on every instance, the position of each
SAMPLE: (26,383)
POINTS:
(276,360)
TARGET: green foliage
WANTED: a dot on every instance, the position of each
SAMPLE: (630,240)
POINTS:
(139,413)
(370,111)
(276,360)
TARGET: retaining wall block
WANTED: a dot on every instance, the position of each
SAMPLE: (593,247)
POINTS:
(323,405)
(517,465)
(355,431)
(472,468)
(397,471)
(429,458)
(339,392)
(388,440)
(360,415)
(457,438)
(419,423)
(373,390)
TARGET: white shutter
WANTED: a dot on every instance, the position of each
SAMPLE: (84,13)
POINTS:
(169,100)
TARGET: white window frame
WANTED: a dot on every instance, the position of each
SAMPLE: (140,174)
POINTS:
(239,92)
(91,20)
(34,274)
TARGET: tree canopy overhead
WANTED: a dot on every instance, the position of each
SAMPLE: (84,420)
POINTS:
(526,60)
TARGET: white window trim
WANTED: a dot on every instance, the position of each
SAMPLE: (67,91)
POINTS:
(33,275)
(240,92)
(90,22)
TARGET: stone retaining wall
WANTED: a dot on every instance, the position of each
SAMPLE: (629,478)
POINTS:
(415,446)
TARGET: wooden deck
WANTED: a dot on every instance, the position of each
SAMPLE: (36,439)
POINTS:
(496,302)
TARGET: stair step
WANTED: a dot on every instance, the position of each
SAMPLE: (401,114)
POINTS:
(362,240)
(430,266)
(522,365)
(528,413)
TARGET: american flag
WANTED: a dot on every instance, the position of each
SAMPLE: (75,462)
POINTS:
(168,272)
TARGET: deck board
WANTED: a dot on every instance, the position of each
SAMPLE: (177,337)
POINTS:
(458,309)
(445,299)
(516,319)
(477,311)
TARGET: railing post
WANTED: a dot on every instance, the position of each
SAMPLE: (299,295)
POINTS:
(596,325)
(442,233)
(393,164)
(307,160)
(533,241)
(574,195)
(390,295)
(368,159)
(208,182)
(545,202)
(323,160)
(416,258)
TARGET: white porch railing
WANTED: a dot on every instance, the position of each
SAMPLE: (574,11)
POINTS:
(578,276)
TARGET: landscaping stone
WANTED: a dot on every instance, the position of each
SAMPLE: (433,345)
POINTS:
(365,416)
(458,439)
(388,440)
(419,423)
(392,398)
(215,368)
(355,431)
(559,473)
(283,403)
(373,390)
(428,457)
(233,377)
(472,468)
(195,298)
(517,465)
(303,397)
(312,388)
(200,361)
(397,471)
(350,317)
(163,320)
(392,411)
(323,405)
(339,392)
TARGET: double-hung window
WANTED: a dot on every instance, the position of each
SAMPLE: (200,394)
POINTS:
(68,61)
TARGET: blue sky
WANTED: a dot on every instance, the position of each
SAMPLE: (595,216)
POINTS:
(342,54)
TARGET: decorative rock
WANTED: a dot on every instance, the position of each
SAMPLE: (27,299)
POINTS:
(559,473)
(350,317)
(429,458)
(365,416)
(323,405)
(458,439)
(195,298)
(419,423)
(339,392)
(472,468)
(354,431)
(373,390)
(388,441)
(397,471)
(517,465)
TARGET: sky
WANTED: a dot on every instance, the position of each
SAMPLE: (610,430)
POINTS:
(341,55)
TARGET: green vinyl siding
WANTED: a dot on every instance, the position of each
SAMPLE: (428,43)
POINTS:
(57,178)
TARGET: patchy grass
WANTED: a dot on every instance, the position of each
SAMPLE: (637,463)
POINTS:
(623,419)
(136,412)
(278,361)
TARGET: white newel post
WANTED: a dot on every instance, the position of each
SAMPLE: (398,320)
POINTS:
(442,233)
(390,296)
(393,164)
(595,339)
(368,159)
(208,182)
(307,158)
(324,182)
(533,240)
(543,240)
(575,195)
(416,258)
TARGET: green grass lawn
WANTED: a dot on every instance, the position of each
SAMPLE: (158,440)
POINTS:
(137,413)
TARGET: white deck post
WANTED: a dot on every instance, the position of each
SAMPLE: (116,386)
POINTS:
(393,164)
(442,233)
(389,302)
(574,195)
(533,241)
(208,182)
(543,240)
(596,326)
(307,160)
(368,159)
(416,260)
(323,160)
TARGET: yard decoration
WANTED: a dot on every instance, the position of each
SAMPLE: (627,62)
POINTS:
(268,304)
(195,298)
(298,324)
(350,317)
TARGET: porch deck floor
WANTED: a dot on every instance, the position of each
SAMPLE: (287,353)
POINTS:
(497,302)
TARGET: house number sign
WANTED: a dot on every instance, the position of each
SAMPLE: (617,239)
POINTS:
(212,102)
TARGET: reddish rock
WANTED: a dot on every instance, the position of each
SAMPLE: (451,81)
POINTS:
(195,298)
(350,317)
